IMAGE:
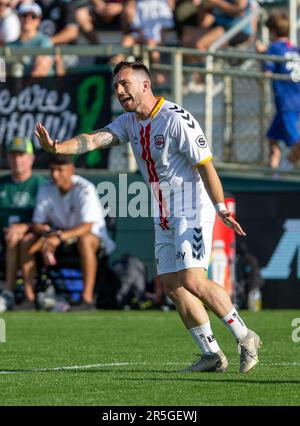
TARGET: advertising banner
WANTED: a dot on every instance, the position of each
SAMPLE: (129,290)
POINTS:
(272,223)
(67,105)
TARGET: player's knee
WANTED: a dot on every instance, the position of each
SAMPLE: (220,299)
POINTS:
(195,286)
(172,292)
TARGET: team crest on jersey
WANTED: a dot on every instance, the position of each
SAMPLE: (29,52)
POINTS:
(159,141)
(201,142)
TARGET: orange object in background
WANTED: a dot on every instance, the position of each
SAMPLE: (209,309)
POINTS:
(222,263)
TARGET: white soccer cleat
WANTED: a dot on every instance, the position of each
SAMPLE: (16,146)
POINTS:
(248,350)
(215,362)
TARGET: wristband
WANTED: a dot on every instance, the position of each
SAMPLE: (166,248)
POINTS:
(220,207)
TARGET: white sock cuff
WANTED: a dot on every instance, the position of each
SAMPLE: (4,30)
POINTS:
(229,315)
(203,328)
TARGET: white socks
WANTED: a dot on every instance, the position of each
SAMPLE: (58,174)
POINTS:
(204,338)
(235,324)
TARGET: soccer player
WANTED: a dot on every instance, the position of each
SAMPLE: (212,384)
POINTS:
(285,124)
(170,149)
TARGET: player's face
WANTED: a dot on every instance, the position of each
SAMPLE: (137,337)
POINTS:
(20,164)
(129,89)
(62,175)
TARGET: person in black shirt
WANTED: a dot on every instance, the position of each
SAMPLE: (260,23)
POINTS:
(60,25)
(58,21)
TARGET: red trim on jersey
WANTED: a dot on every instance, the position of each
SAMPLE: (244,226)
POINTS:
(153,178)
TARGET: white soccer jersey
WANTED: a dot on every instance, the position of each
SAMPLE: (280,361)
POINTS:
(79,205)
(168,147)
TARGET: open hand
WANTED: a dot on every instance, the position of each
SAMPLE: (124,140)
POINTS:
(228,220)
(45,141)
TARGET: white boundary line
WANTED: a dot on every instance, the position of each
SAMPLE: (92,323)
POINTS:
(123,364)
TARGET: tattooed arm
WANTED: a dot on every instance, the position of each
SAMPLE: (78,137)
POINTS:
(101,139)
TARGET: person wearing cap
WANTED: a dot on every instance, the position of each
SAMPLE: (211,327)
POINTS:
(17,200)
(68,212)
(40,66)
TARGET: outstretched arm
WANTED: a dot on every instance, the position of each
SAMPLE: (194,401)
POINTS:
(214,189)
(80,144)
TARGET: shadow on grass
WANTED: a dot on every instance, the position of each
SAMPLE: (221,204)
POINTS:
(234,377)
(220,380)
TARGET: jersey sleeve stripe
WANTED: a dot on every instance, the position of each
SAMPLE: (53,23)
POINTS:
(203,161)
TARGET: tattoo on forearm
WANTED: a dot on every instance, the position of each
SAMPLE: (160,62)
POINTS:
(104,138)
(82,144)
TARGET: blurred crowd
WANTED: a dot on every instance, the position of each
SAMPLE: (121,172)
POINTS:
(43,23)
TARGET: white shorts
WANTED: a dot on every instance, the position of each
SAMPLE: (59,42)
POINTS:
(183,247)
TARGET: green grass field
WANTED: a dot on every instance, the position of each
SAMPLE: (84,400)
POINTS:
(131,358)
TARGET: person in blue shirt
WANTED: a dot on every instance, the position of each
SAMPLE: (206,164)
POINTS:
(39,66)
(285,124)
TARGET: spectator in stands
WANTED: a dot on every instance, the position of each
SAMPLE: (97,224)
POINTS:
(186,13)
(217,17)
(68,211)
(59,21)
(40,66)
(9,23)
(146,21)
(285,124)
(96,15)
(17,200)
(60,25)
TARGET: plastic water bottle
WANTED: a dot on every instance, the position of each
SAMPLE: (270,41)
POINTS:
(219,262)
(254,300)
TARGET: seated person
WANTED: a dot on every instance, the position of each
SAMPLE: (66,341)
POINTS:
(144,22)
(214,19)
(68,211)
(17,200)
(218,17)
(59,24)
(97,15)
(40,66)
(58,21)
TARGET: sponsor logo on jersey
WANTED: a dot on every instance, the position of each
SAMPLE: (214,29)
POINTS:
(159,141)
(201,142)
